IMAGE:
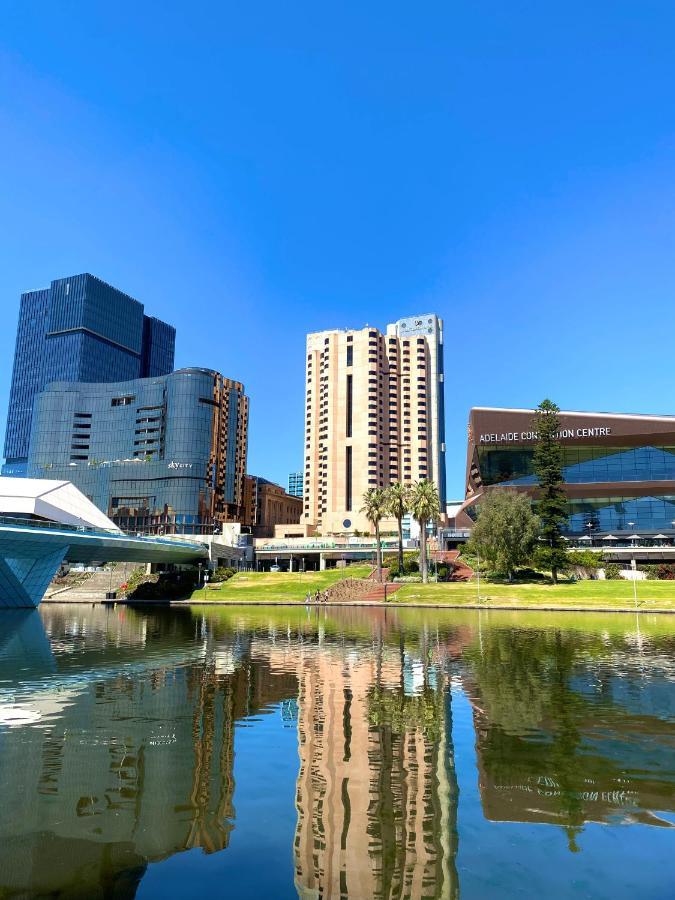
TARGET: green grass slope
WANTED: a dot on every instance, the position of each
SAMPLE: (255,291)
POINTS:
(279,586)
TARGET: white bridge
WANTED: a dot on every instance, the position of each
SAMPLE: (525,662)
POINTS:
(45,523)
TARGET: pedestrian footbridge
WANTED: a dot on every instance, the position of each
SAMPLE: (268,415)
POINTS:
(45,523)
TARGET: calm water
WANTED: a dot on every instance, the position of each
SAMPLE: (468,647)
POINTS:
(273,753)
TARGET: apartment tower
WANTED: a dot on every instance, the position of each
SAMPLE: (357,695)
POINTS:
(374,415)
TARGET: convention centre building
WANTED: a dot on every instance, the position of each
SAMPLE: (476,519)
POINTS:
(619,470)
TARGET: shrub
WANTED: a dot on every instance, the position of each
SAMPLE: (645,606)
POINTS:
(166,587)
(612,571)
(585,559)
(530,575)
(660,571)
(222,573)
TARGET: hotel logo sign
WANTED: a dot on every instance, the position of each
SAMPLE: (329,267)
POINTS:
(515,437)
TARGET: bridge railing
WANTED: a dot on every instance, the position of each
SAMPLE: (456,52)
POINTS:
(46,524)
(20,522)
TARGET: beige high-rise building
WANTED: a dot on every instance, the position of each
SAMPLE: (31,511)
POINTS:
(374,414)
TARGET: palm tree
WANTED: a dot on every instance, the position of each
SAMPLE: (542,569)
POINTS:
(425,507)
(374,509)
(398,504)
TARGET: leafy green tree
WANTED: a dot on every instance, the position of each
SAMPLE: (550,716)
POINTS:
(551,503)
(425,507)
(506,531)
(374,509)
(398,504)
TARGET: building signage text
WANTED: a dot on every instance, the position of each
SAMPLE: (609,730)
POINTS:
(177,465)
(513,437)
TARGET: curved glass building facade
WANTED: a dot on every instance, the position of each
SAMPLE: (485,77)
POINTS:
(158,455)
(619,470)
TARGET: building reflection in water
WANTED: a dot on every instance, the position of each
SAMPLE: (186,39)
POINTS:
(376,794)
(573,727)
(125,754)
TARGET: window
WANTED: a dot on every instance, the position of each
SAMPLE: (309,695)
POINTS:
(121,401)
(349,406)
(348,478)
(350,355)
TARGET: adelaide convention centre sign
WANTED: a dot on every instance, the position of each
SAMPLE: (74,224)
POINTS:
(514,437)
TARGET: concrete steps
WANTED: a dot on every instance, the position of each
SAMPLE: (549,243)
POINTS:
(93,588)
(381,592)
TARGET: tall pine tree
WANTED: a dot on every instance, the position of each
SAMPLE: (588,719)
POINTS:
(551,503)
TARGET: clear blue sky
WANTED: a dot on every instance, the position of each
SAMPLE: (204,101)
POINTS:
(254,171)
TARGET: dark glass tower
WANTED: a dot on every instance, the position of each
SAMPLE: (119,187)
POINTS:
(79,329)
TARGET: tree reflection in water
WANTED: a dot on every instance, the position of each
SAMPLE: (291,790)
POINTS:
(130,740)
(557,715)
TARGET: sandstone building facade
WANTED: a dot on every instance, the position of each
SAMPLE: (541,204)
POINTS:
(374,414)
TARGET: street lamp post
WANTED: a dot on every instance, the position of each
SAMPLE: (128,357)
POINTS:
(631,525)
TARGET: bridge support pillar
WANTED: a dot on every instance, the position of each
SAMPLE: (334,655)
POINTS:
(322,562)
(24,579)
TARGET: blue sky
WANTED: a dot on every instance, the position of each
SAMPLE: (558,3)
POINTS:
(254,171)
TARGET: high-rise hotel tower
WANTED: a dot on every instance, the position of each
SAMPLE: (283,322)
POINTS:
(374,415)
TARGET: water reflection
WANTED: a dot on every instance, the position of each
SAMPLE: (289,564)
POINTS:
(121,746)
(571,728)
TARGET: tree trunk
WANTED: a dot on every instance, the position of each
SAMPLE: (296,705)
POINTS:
(379,552)
(554,574)
(400,544)
(423,552)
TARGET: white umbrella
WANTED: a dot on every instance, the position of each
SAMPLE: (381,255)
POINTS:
(610,537)
(585,537)
(660,537)
(634,537)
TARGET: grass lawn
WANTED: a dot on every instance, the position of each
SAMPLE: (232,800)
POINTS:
(619,593)
(287,587)
(283,586)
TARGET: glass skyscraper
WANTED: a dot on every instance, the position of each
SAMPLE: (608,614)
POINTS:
(161,455)
(80,329)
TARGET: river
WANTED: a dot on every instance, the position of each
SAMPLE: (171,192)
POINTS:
(336,753)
